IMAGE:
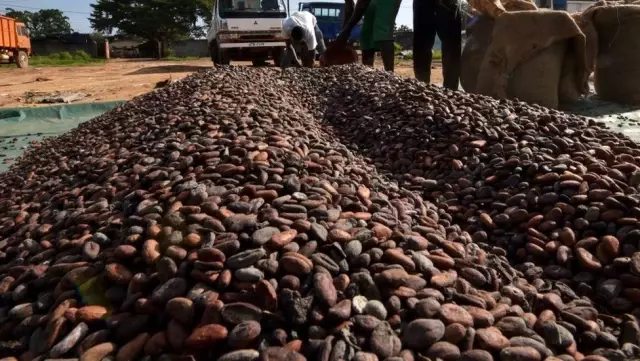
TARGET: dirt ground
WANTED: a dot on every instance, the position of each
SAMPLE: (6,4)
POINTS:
(118,79)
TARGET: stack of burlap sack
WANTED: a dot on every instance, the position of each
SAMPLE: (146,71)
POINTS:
(515,50)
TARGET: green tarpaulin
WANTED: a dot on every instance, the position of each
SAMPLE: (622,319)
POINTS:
(21,126)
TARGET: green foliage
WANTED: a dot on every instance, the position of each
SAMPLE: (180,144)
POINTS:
(98,36)
(162,20)
(397,48)
(65,55)
(81,54)
(21,16)
(42,23)
(169,53)
(66,58)
(175,58)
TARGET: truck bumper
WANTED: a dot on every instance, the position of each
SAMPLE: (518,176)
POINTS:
(278,44)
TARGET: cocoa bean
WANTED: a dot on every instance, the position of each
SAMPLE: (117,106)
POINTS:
(355,215)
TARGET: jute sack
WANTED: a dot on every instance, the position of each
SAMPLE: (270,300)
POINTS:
(527,53)
(475,47)
(493,8)
(617,74)
(479,33)
(585,22)
(574,81)
(537,79)
(519,5)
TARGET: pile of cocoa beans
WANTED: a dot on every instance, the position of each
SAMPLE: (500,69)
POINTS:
(556,193)
(331,214)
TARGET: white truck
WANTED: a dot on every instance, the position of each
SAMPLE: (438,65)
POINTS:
(247,30)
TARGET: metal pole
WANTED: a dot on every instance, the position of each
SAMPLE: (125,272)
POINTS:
(288,8)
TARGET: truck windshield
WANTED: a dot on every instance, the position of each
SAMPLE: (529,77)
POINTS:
(22,30)
(252,9)
(331,13)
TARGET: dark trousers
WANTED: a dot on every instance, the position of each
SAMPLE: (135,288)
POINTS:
(430,18)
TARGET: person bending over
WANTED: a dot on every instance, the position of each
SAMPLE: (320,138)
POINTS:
(377,30)
(302,28)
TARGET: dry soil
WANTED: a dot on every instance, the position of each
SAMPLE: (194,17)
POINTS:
(118,79)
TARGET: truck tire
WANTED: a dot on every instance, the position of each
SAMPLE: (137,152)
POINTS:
(259,62)
(278,54)
(213,51)
(219,56)
(223,57)
(22,59)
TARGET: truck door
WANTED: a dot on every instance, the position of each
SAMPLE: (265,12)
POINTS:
(23,37)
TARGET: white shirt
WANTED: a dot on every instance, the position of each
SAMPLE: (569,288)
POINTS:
(307,21)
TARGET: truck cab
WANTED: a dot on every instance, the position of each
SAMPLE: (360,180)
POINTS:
(330,18)
(15,45)
(247,30)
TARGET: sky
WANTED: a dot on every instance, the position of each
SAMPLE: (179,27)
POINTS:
(78,10)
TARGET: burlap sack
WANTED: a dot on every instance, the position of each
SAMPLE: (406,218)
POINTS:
(617,73)
(475,48)
(492,8)
(519,5)
(574,82)
(478,40)
(519,37)
(585,22)
(537,79)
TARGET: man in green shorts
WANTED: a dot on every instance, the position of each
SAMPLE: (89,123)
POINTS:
(377,30)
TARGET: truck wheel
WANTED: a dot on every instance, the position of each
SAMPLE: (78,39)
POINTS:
(223,57)
(259,62)
(219,56)
(213,51)
(278,54)
(22,59)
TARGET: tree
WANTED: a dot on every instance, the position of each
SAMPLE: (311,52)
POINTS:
(22,16)
(404,29)
(159,20)
(43,23)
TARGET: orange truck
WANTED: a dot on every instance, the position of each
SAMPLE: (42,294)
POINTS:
(15,45)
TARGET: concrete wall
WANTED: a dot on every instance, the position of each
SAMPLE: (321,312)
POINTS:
(48,47)
(182,49)
(191,48)
(70,43)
